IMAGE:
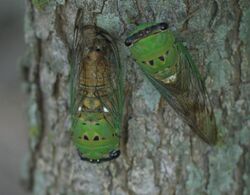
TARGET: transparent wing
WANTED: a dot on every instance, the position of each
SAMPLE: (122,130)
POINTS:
(87,38)
(188,97)
(113,103)
(75,67)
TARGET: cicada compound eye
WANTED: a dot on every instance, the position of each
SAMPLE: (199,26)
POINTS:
(163,26)
(114,154)
(128,42)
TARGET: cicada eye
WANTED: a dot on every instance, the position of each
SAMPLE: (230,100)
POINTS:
(128,42)
(114,154)
(163,26)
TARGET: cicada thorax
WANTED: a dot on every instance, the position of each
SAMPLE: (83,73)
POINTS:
(168,65)
(95,130)
(165,65)
(154,57)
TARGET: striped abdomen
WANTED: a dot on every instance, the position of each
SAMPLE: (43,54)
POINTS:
(94,79)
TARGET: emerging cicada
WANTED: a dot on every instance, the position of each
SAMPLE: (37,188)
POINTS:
(170,68)
(97,97)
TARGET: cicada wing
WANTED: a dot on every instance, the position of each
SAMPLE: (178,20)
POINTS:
(113,103)
(188,96)
(75,58)
(203,120)
(88,38)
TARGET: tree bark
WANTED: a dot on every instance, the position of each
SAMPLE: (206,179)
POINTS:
(160,154)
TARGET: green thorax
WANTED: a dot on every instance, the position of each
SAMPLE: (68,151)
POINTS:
(94,136)
(156,53)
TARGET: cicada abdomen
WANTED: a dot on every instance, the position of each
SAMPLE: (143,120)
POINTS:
(96,94)
(170,68)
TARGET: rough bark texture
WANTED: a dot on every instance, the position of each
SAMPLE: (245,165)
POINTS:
(160,154)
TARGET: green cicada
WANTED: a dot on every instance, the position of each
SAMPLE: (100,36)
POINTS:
(40,3)
(170,68)
(96,93)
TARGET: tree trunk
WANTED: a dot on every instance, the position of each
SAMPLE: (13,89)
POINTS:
(160,154)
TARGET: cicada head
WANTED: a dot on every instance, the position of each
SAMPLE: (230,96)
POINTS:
(96,139)
(152,46)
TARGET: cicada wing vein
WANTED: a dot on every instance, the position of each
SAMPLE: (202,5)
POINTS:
(188,97)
